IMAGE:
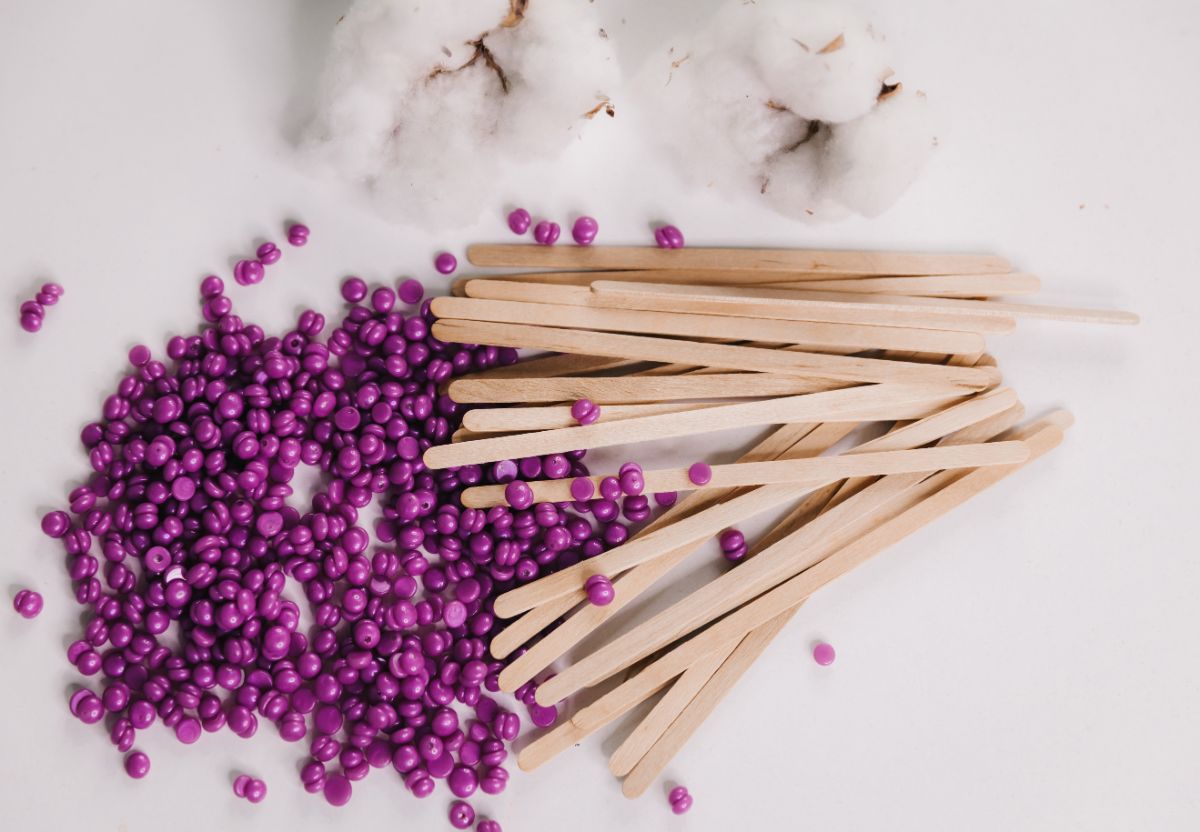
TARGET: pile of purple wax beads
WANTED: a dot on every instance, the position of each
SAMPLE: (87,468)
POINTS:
(189,519)
(33,312)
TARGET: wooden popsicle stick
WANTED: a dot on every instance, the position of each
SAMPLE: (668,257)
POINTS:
(788,441)
(682,691)
(605,390)
(811,335)
(636,298)
(931,286)
(547,417)
(815,472)
(702,277)
(790,555)
(798,260)
(939,494)
(856,404)
(700,526)
(632,293)
(729,356)
(661,752)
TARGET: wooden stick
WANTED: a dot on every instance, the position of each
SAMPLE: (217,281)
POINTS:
(813,336)
(788,441)
(631,295)
(711,277)
(661,752)
(777,563)
(515,419)
(884,401)
(549,366)
(633,389)
(673,703)
(754,359)
(792,260)
(747,307)
(932,286)
(812,472)
(712,521)
(939,494)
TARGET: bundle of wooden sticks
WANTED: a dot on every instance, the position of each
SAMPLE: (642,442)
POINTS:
(692,341)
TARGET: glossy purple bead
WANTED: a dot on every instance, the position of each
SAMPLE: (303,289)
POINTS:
(445,263)
(584,230)
(297,234)
(700,473)
(599,590)
(461,815)
(411,291)
(546,233)
(668,236)
(28,603)
(137,765)
(268,254)
(519,221)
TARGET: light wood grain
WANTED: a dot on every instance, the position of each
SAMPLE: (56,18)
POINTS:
(798,260)
(932,286)
(788,441)
(720,303)
(815,337)
(886,308)
(700,277)
(729,356)
(938,495)
(549,417)
(812,472)
(706,524)
(639,389)
(851,405)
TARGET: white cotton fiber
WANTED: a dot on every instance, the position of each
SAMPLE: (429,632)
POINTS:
(790,102)
(425,101)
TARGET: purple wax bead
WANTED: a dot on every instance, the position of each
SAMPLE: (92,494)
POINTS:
(668,236)
(584,230)
(599,590)
(31,323)
(297,235)
(354,289)
(53,289)
(445,263)
(488,826)
(32,307)
(462,781)
(518,494)
(28,603)
(700,473)
(137,765)
(546,233)
(582,489)
(56,524)
(519,221)
(666,499)
(255,790)
(268,253)
(461,815)
(411,291)
(45,298)
(337,790)
(610,488)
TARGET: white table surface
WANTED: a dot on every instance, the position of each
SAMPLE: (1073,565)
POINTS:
(1030,662)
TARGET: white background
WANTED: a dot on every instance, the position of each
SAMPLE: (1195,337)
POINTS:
(1029,662)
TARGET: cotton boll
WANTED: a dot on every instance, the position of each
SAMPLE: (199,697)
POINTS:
(871,161)
(780,101)
(822,62)
(425,102)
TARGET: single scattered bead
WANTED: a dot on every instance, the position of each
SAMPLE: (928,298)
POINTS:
(680,800)
(411,291)
(546,233)
(137,765)
(28,603)
(239,784)
(461,814)
(823,654)
(519,220)
(248,272)
(445,263)
(584,230)
(585,411)
(518,494)
(668,236)
(139,355)
(354,289)
(733,544)
(599,590)
(53,289)
(56,524)
(268,253)
(582,489)
(297,234)
(700,473)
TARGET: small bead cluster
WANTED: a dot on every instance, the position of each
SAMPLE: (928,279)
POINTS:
(28,603)
(546,233)
(680,800)
(33,312)
(250,788)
